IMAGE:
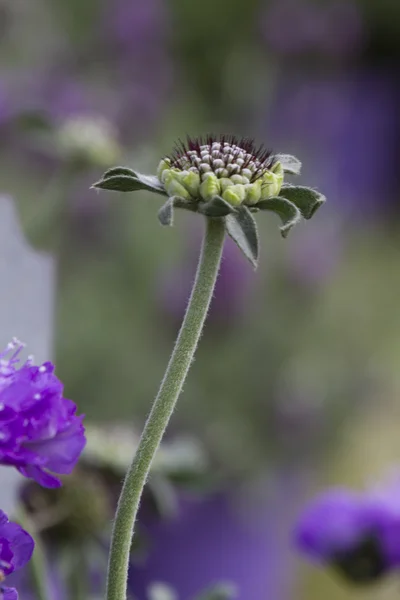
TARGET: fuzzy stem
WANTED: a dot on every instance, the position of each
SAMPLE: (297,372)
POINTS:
(164,404)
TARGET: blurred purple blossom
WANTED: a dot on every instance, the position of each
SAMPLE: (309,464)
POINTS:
(224,538)
(348,125)
(294,27)
(232,291)
(16,547)
(39,430)
(358,532)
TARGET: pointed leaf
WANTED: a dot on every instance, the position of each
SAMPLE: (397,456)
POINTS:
(242,228)
(216,207)
(122,179)
(166,213)
(220,591)
(290,164)
(306,199)
(287,211)
(119,171)
(119,183)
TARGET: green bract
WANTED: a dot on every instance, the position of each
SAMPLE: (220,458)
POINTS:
(224,178)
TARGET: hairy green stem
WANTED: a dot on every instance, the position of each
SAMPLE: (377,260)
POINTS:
(38,563)
(164,404)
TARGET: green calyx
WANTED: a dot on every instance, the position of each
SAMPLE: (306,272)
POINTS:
(236,189)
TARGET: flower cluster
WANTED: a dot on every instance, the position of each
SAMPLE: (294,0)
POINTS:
(236,170)
(357,533)
(40,433)
(16,547)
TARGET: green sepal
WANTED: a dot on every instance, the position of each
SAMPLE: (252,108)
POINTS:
(166,213)
(219,591)
(306,199)
(242,228)
(290,164)
(288,212)
(216,207)
(123,179)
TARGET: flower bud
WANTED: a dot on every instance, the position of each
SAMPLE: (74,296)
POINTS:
(170,179)
(235,194)
(210,187)
(191,181)
(271,182)
(253,193)
(165,164)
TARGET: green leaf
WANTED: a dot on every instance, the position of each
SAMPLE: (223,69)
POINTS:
(288,212)
(119,171)
(242,228)
(166,213)
(290,164)
(123,179)
(119,183)
(216,207)
(306,199)
(219,591)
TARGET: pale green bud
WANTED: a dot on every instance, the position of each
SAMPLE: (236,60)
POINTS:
(172,184)
(253,193)
(210,186)
(225,183)
(191,181)
(236,179)
(271,182)
(165,164)
(235,194)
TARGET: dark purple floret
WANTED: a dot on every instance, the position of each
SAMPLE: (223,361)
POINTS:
(40,433)
(16,547)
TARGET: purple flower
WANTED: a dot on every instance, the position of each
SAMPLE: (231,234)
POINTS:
(356,532)
(39,430)
(16,547)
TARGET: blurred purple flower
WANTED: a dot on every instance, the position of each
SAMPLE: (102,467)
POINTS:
(39,430)
(292,27)
(357,532)
(349,127)
(16,547)
(224,538)
(231,292)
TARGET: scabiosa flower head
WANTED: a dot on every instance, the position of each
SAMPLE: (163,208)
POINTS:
(16,547)
(223,177)
(40,433)
(357,533)
(237,170)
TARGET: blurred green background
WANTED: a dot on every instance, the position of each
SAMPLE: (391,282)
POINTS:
(297,374)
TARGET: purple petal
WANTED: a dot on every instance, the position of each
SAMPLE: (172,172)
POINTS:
(20,542)
(8,594)
(40,476)
(64,449)
(333,522)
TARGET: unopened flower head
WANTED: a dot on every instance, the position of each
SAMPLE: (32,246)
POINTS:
(40,433)
(16,547)
(235,169)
